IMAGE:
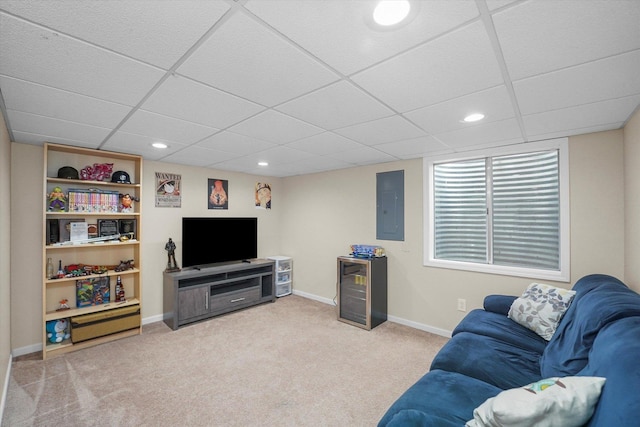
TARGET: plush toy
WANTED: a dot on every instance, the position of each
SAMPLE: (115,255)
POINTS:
(58,330)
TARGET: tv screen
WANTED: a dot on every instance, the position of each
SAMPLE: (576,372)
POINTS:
(215,240)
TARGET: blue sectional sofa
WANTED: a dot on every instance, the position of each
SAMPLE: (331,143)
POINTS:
(489,353)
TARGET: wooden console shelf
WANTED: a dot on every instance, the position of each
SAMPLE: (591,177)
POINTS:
(193,295)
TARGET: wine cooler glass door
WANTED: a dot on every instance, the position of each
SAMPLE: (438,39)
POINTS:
(353,291)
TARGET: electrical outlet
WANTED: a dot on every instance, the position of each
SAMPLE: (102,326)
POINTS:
(462,304)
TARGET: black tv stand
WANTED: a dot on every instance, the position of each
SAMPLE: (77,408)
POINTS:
(205,292)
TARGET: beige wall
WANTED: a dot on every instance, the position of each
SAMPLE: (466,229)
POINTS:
(316,217)
(162,223)
(632,201)
(5,260)
(327,212)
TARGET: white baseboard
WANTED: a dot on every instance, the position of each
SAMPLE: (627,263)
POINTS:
(5,389)
(314,297)
(394,319)
(33,348)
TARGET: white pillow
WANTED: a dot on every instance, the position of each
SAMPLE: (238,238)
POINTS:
(553,402)
(540,308)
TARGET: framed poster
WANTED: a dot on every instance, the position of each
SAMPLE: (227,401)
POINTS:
(168,190)
(218,194)
(263,195)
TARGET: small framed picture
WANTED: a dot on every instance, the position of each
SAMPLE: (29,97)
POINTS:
(218,192)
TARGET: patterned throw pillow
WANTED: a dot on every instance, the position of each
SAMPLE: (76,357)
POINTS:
(540,308)
(552,402)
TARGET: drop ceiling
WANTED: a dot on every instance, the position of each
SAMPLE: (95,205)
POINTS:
(313,85)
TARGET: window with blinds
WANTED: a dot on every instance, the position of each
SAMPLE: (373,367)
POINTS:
(501,211)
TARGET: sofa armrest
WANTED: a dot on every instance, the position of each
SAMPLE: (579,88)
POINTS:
(499,303)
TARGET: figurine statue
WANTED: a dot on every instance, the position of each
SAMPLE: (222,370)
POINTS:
(57,200)
(170,247)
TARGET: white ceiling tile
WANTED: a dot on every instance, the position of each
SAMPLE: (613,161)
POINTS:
(580,131)
(453,65)
(275,127)
(324,143)
(411,148)
(247,59)
(364,156)
(339,105)
(281,155)
(494,103)
(188,100)
(37,139)
(497,4)
(580,117)
(613,77)
(380,131)
(198,156)
(502,132)
(339,33)
(235,143)
(247,163)
(59,104)
(65,63)
(541,36)
(166,128)
(141,145)
(32,123)
(157,32)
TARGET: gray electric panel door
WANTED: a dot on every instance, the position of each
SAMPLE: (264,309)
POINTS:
(390,205)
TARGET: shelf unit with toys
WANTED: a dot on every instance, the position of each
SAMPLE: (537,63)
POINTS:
(107,246)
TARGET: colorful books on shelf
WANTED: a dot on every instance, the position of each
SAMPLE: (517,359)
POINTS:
(93,201)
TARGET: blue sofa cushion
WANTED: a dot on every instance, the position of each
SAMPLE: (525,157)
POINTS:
(500,304)
(490,360)
(599,300)
(500,327)
(615,355)
(439,398)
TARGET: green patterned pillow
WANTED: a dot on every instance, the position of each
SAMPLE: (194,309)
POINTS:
(540,308)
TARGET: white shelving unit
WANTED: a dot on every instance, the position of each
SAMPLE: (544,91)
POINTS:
(284,274)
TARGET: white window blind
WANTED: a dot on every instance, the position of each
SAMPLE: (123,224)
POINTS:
(503,212)
(461,211)
(526,210)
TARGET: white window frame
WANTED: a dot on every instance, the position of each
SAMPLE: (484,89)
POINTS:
(563,274)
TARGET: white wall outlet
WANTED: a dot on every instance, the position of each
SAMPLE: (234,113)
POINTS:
(462,304)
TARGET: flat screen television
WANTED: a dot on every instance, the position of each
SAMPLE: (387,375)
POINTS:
(207,240)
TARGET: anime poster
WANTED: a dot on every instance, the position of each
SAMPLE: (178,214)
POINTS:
(218,194)
(168,190)
(263,195)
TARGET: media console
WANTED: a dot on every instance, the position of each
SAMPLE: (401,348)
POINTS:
(193,295)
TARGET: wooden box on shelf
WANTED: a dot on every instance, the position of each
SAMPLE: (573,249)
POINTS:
(105,255)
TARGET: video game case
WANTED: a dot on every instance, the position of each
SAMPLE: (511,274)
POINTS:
(53,231)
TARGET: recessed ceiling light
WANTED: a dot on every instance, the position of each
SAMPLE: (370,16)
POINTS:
(473,117)
(391,12)
(263,164)
(159,145)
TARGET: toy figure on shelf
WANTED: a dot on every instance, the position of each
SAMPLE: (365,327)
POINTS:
(63,305)
(170,247)
(57,200)
(124,265)
(57,330)
(126,204)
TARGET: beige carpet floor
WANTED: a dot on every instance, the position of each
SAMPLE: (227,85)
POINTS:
(288,363)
